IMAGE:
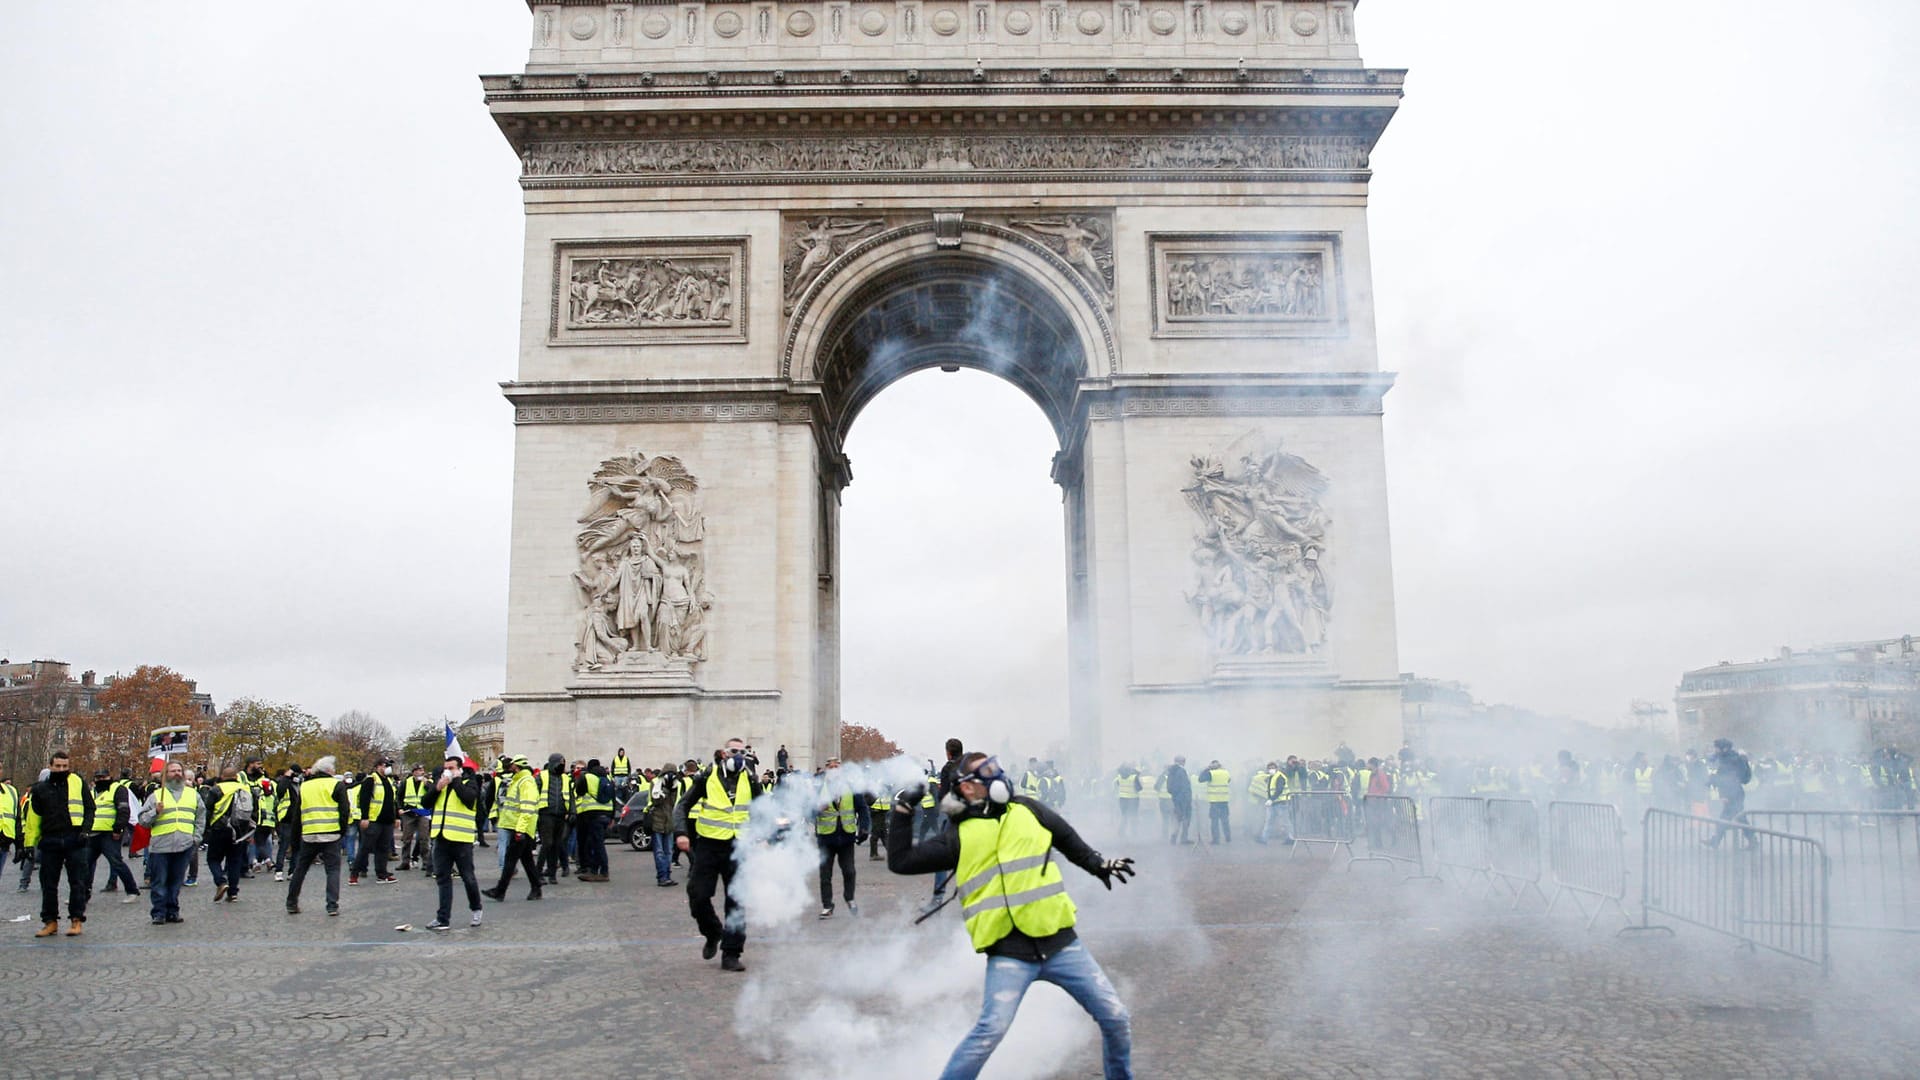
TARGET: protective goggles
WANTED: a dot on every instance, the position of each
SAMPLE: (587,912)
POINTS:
(984,773)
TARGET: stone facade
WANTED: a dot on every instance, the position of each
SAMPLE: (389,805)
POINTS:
(746,219)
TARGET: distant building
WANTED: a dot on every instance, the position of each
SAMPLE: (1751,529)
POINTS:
(1850,697)
(39,698)
(1431,708)
(46,689)
(486,727)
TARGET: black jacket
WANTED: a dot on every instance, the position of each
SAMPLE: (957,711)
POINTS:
(363,799)
(941,851)
(49,799)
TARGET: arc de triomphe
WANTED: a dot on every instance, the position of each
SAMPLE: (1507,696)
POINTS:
(745,219)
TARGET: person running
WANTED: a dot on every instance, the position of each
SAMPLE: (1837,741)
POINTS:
(519,817)
(1016,907)
(705,822)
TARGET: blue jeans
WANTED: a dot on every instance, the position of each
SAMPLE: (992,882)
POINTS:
(1071,969)
(662,857)
(169,871)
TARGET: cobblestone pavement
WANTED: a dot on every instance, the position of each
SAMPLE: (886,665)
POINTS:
(1234,961)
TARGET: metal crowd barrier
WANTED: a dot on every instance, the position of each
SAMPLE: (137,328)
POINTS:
(1764,888)
(1393,833)
(1513,847)
(1459,827)
(1321,817)
(1586,852)
(1874,858)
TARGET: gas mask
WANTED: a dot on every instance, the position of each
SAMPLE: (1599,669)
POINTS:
(733,760)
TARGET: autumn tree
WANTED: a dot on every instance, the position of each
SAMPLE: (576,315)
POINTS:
(115,736)
(427,744)
(278,733)
(859,742)
(360,738)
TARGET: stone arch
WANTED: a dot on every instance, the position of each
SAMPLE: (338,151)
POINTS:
(905,299)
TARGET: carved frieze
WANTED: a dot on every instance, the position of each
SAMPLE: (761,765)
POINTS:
(1085,241)
(976,157)
(657,291)
(1246,284)
(641,584)
(1260,582)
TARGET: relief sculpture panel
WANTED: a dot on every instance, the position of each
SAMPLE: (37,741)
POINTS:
(642,579)
(1246,285)
(649,291)
(1260,583)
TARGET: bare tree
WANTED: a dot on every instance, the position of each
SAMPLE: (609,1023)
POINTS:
(363,738)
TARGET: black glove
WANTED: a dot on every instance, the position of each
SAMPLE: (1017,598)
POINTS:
(1112,870)
(859,839)
(906,799)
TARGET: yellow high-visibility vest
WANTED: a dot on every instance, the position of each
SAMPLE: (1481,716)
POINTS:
(1219,786)
(718,816)
(173,815)
(599,797)
(1007,882)
(453,819)
(837,816)
(319,814)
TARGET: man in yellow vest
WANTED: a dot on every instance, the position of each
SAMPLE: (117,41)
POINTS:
(411,824)
(705,822)
(1217,784)
(1016,907)
(177,819)
(453,804)
(111,819)
(840,820)
(593,800)
(375,809)
(57,824)
(9,818)
(321,807)
(553,814)
(229,833)
(519,804)
(1126,785)
(622,775)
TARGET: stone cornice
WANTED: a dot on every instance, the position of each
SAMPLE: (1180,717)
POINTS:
(936,77)
(687,400)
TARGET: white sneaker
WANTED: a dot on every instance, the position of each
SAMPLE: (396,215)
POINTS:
(279,875)
(475,923)
(130,898)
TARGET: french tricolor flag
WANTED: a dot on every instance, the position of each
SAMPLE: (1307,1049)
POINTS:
(453,746)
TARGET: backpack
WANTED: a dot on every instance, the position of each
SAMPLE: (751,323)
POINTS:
(1743,768)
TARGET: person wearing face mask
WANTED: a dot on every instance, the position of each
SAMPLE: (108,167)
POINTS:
(705,822)
(57,824)
(177,820)
(376,807)
(1016,907)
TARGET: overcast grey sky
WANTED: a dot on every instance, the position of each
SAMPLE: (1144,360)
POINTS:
(1643,272)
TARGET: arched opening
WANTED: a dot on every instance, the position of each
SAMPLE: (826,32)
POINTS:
(949,310)
(950,594)
(953,597)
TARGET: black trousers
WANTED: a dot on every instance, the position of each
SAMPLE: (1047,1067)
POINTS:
(68,853)
(844,856)
(879,834)
(1183,817)
(328,855)
(592,842)
(553,844)
(712,866)
(108,844)
(1219,823)
(519,853)
(449,856)
(375,840)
